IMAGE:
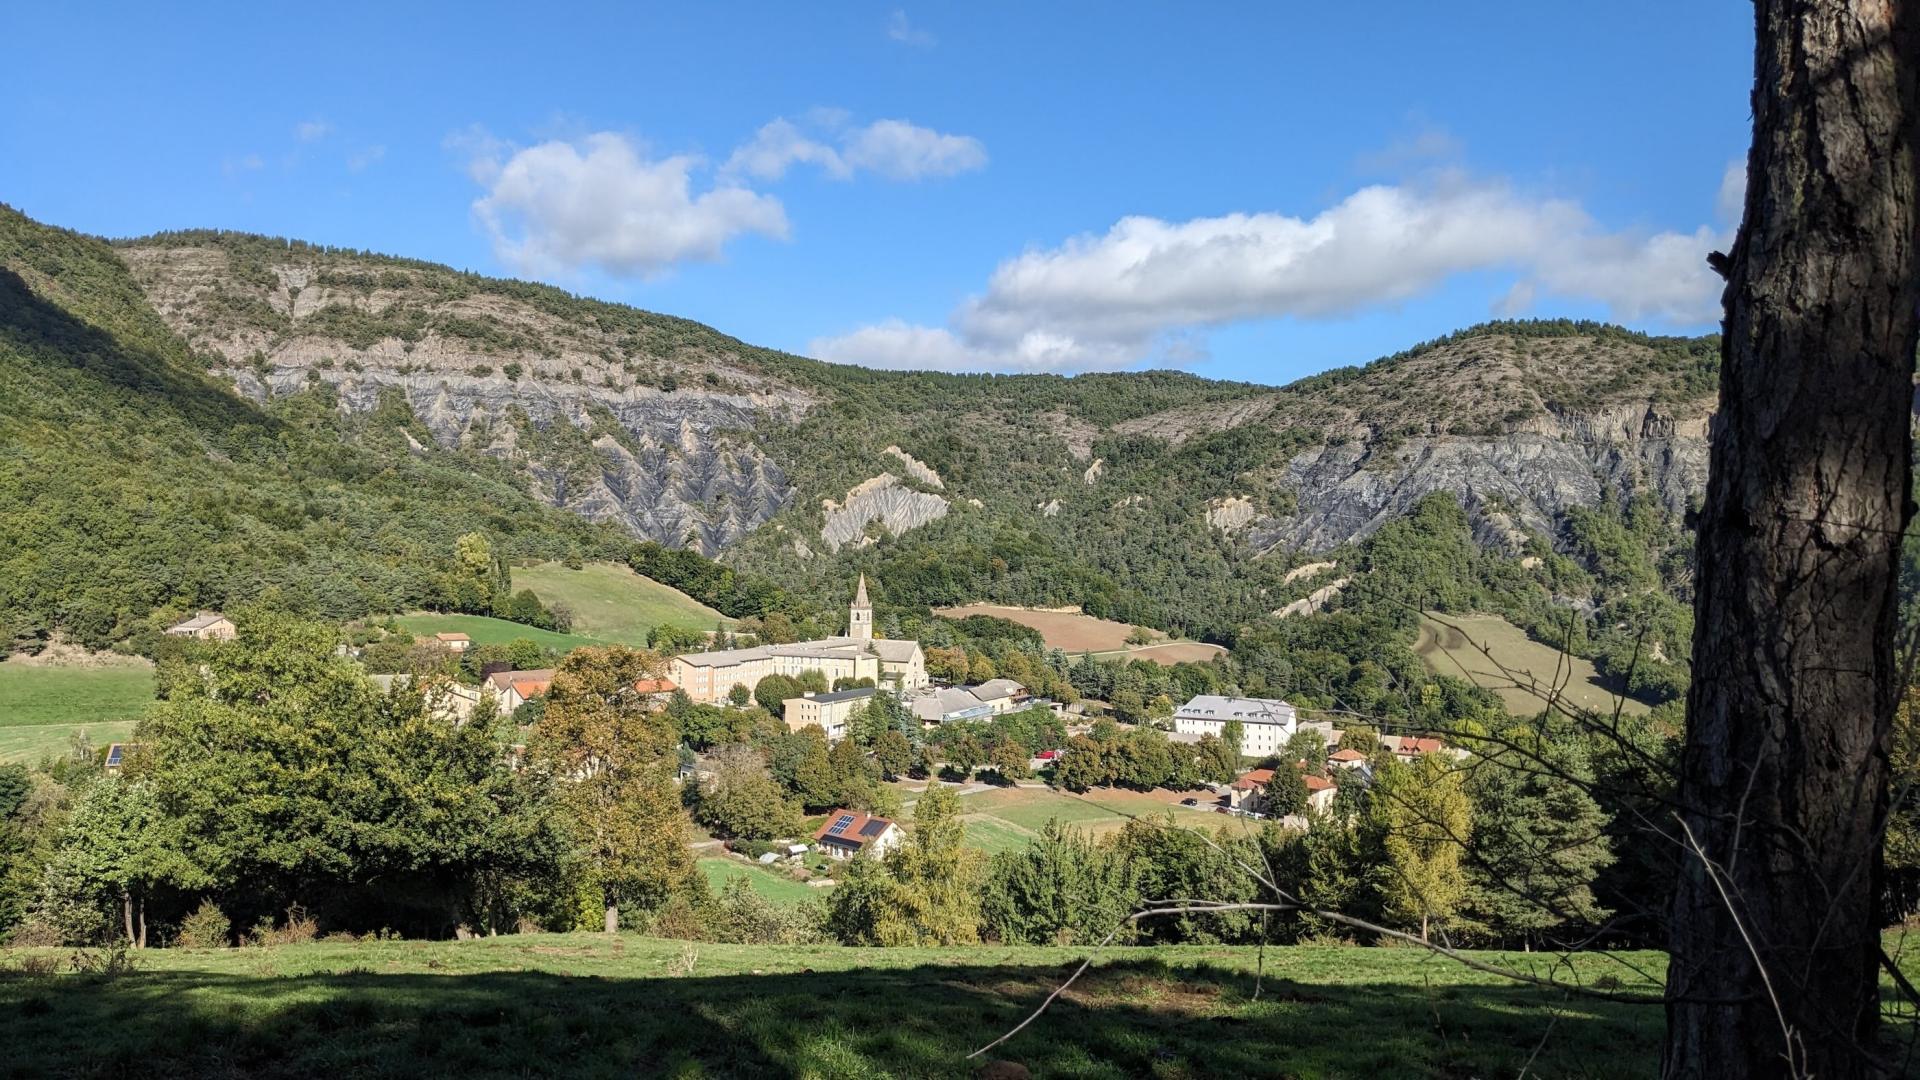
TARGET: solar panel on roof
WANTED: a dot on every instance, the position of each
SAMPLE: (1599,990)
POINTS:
(113,754)
(840,824)
(873,827)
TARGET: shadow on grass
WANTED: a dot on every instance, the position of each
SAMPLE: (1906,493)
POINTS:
(1135,1018)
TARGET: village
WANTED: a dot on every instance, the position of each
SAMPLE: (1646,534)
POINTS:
(1288,770)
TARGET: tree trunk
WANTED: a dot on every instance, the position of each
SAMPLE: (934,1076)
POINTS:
(1783,781)
(140,922)
(613,915)
(126,914)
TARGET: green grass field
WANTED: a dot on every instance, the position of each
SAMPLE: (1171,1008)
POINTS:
(32,744)
(1002,819)
(489,631)
(31,696)
(1457,652)
(776,887)
(612,603)
(42,707)
(584,1004)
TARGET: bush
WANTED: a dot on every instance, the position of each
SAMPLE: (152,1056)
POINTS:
(299,929)
(206,928)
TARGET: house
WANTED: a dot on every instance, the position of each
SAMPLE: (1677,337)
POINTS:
(710,676)
(512,689)
(830,711)
(458,643)
(658,691)
(1320,793)
(117,754)
(1002,695)
(1265,723)
(1348,759)
(446,699)
(946,705)
(848,833)
(1249,790)
(1407,747)
(206,626)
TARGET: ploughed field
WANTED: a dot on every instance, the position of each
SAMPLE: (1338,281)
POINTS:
(594,1005)
(1075,632)
(1521,670)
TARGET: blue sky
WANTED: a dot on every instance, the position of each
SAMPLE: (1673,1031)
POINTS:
(1253,191)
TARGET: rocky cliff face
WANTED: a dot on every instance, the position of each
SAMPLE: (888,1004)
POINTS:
(1511,484)
(662,426)
(679,465)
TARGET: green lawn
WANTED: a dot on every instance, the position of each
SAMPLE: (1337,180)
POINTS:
(489,631)
(774,886)
(31,744)
(1521,670)
(611,602)
(588,1005)
(1003,819)
(31,696)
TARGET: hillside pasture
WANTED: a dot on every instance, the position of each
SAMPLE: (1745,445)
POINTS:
(1453,644)
(485,630)
(1010,818)
(43,706)
(1076,632)
(769,883)
(612,603)
(622,1005)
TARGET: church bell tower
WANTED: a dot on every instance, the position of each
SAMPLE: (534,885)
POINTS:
(860,616)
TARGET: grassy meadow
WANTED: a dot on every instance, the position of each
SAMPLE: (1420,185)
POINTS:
(770,884)
(612,603)
(43,707)
(591,1005)
(1456,650)
(486,630)
(1010,818)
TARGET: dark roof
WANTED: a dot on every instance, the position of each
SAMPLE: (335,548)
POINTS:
(851,828)
(844,695)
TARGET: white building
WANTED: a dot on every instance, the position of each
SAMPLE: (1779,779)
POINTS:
(1265,723)
(709,676)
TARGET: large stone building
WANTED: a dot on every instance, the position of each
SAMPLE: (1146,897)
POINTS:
(709,676)
(830,712)
(1265,723)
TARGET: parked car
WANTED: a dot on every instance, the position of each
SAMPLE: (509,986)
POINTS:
(1189,802)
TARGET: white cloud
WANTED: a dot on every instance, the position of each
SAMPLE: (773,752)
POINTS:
(242,163)
(898,150)
(1732,201)
(778,146)
(312,130)
(365,157)
(599,201)
(895,149)
(1120,298)
(900,29)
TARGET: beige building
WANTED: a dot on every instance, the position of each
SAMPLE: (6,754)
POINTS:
(206,626)
(1265,723)
(830,711)
(709,676)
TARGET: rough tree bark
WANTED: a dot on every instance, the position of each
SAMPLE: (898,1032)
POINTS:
(1783,776)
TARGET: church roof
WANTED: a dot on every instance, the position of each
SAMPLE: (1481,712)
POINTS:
(860,593)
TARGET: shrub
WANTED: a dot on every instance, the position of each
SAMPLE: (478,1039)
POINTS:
(299,929)
(206,928)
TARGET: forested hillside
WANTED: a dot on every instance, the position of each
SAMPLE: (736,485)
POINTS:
(191,419)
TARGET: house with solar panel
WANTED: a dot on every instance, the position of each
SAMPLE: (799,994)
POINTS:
(849,832)
(117,754)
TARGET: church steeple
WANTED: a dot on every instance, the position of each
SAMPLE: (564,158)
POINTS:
(860,615)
